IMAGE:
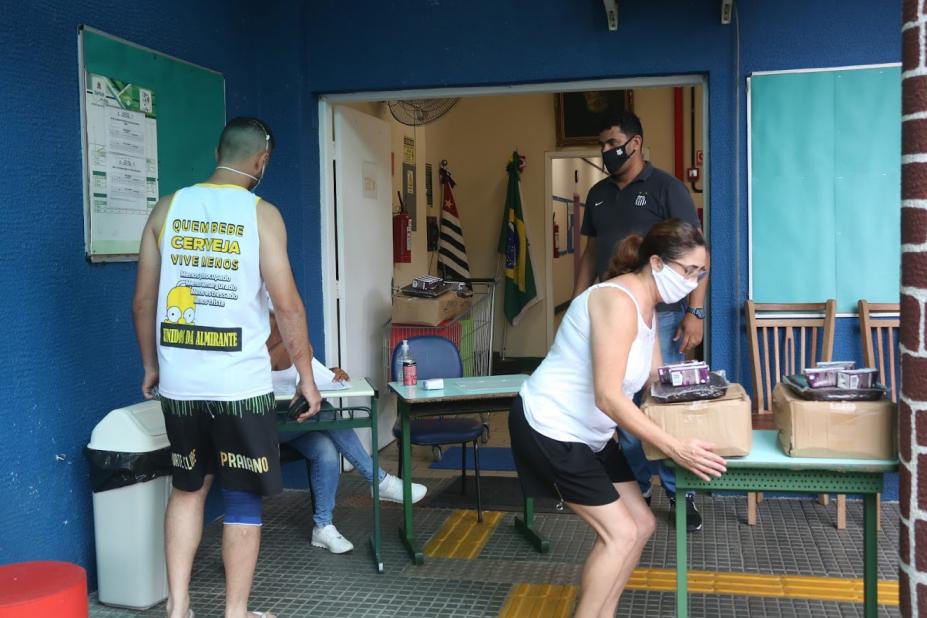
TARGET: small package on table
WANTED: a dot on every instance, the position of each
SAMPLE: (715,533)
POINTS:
(429,311)
(686,373)
(834,429)
(724,422)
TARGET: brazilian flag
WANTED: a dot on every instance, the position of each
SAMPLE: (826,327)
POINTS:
(520,291)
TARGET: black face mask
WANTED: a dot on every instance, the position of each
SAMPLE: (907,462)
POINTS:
(615,158)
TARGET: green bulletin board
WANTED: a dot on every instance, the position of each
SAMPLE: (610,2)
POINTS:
(185,102)
(825,186)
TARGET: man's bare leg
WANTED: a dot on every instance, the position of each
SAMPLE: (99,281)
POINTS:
(183,529)
(240,546)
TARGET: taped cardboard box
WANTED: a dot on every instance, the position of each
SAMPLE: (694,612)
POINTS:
(837,429)
(428,311)
(725,422)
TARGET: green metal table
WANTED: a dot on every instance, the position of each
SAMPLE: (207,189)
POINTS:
(768,468)
(459,396)
(346,417)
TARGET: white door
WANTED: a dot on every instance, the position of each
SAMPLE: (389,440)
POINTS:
(363,223)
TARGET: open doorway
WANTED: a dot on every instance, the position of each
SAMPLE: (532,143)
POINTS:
(476,137)
(570,175)
(672,118)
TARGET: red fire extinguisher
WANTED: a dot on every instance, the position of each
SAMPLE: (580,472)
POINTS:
(402,237)
(556,238)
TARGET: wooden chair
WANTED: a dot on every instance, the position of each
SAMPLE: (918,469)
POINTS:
(783,345)
(879,336)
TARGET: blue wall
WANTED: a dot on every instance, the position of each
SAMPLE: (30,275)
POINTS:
(69,354)
(788,35)
(413,44)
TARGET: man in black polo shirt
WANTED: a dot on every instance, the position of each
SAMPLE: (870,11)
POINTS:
(632,199)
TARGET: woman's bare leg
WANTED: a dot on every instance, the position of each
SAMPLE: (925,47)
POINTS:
(616,542)
(646,524)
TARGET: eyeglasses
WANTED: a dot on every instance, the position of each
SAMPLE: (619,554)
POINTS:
(689,271)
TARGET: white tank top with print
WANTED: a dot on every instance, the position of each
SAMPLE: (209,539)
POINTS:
(212,320)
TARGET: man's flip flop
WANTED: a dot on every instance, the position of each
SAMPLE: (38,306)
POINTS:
(260,614)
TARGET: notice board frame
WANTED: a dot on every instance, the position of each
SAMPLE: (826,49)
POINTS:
(191,114)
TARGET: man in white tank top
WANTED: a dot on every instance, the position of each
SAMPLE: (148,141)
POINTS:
(201,319)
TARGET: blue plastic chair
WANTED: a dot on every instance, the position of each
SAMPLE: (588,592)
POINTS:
(437,357)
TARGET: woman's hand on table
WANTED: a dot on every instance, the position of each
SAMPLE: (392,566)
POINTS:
(340,374)
(697,457)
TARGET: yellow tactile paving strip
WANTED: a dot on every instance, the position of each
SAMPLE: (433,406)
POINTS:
(462,536)
(535,600)
(539,601)
(761,585)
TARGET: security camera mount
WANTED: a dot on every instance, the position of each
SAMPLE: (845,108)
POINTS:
(727,9)
(611,13)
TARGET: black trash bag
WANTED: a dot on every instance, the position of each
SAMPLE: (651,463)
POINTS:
(112,469)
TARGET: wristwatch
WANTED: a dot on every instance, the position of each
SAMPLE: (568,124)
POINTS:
(697,312)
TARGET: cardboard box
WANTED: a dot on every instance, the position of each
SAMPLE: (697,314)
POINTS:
(838,429)
(428,311)
(725,422)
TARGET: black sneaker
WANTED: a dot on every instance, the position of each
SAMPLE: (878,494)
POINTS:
(693,517)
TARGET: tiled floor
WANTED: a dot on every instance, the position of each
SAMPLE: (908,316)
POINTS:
(294,579)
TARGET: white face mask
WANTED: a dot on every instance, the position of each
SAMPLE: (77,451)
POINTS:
(254,178)
(263,169)
(672,286)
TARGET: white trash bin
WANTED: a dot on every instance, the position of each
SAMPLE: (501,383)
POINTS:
(128,451)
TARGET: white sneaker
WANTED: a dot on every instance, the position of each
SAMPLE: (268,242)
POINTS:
(330,539)
(391,490)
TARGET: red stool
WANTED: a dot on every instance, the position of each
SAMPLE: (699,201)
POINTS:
(43,590)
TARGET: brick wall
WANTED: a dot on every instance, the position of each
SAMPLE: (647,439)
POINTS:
(912,411)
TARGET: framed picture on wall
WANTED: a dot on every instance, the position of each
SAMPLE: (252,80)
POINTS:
(580,114)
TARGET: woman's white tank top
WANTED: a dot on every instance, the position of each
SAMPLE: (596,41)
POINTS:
(559,397)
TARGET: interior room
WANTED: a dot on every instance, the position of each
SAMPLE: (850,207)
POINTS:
(428,135)
(534,134)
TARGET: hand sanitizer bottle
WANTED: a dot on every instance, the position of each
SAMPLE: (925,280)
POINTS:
(409,369)
(397,363)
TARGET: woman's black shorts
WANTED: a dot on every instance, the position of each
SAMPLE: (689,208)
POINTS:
(568,471)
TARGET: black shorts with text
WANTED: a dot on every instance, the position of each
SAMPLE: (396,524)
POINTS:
(237,440)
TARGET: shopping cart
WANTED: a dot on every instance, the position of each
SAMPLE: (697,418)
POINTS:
(471,332)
